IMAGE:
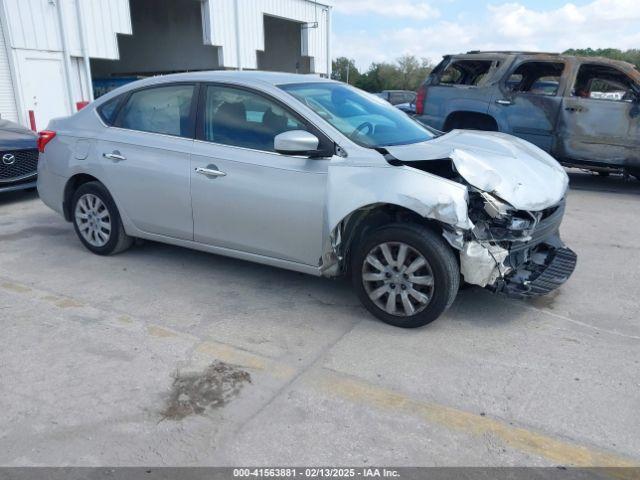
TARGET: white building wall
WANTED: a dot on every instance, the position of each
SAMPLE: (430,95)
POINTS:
(33,27)
(8,108)
(222,33)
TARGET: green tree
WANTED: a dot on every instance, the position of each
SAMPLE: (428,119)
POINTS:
(406,73)
(413,71)
(379,76)
(344,70)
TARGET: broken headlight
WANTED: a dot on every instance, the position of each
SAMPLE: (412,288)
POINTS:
(496,220)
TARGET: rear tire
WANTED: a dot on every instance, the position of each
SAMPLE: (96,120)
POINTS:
(97,221)
(396,291)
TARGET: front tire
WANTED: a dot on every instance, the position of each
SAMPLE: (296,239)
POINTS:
(405,274)
(96,220)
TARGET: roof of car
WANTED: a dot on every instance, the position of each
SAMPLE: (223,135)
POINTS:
(542,55)
(249,76)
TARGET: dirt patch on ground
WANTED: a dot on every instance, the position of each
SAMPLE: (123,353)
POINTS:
(195,393)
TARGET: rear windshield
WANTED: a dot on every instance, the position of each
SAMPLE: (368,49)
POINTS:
(364,118)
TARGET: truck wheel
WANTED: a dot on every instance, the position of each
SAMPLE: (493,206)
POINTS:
(405,274)
(96,220)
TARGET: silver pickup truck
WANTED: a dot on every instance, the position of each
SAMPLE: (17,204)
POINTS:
(585,111)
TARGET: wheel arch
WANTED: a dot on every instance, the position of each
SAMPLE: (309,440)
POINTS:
(70,188)
(469,118)
(352,228)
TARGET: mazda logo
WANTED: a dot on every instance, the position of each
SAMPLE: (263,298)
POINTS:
(9,159)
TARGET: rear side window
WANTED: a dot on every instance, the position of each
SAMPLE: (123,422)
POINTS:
(465,72)
(108,110)
(603,82)
(165,110)
(538,78)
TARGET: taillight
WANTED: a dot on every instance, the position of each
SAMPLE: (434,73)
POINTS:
(45,137)
(421,96)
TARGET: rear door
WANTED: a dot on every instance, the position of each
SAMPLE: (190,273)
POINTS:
(528,101)
(600,121)
(145,158)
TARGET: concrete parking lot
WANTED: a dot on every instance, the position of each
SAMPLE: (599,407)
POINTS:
(166,356)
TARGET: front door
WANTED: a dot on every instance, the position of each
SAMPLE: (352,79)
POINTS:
(246,197)
(145,159)
(528,101)
(600,121)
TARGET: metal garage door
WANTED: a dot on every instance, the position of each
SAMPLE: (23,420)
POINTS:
(8,109)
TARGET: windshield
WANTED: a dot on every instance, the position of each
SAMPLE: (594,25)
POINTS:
(364,118)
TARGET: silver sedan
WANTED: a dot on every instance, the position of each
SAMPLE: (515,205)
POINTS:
(314,176)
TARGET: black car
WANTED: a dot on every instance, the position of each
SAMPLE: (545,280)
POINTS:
(18,157)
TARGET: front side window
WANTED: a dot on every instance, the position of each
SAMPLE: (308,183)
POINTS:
(244,119)
(602,82)
(364,118)
(537,78)
(163,110)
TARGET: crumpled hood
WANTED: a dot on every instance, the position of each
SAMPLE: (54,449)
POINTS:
(515,170)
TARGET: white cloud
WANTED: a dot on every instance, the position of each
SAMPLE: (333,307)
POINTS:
(389,8)
(506,26)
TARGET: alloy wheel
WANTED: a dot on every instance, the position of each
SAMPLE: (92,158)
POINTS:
(93,220)
(398,279)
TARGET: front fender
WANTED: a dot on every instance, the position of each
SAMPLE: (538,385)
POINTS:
(353,187)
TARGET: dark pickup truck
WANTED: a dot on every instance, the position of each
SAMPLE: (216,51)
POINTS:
(585,111)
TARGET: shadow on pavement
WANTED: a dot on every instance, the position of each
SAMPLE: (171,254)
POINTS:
(7,198)
(580,180)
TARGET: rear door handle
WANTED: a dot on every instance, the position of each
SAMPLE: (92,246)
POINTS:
(210,171)
(573,109)
(504,102)
(115,155)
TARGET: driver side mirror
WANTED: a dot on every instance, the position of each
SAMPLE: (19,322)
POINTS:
(296,142)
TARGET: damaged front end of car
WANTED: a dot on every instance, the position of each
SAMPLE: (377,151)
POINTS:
(516,203)
(514,252)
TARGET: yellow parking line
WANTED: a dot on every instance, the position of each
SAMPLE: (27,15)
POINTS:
(557,451)
(15,287)
(243,358)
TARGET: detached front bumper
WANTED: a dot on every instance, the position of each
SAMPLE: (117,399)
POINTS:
(548,268)
(521,268)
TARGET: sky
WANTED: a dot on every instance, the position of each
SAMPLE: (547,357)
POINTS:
(382,30)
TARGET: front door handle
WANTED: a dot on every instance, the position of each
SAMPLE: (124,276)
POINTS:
(504,102)
(573,109)
(115,155)
(210,171)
